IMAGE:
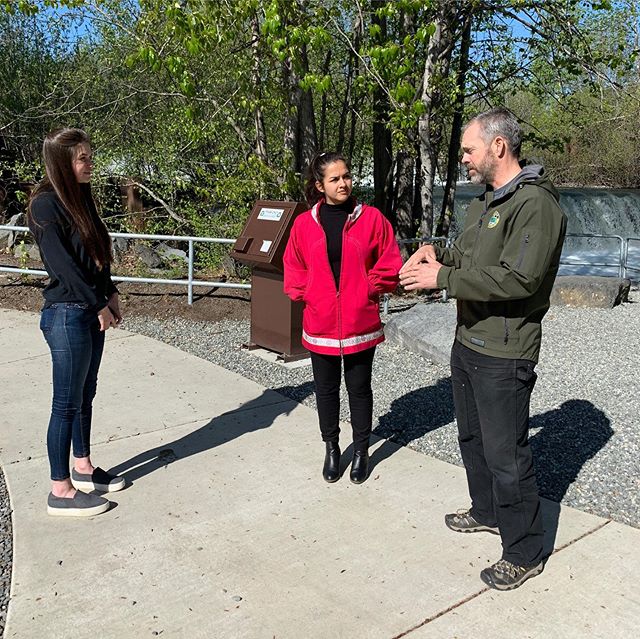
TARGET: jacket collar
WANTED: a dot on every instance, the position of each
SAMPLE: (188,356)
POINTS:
(355,214)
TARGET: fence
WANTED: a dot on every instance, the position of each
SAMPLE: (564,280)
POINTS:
(621,262)
(625,247)
(627,266)
(190,282)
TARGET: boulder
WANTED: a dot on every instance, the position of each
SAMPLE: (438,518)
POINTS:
(427,329)
(168,253)
(26,251)
(120,245)
(7,238)
(147,255)
(590,291)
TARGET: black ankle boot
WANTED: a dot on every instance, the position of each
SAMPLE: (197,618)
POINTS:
(331,468)
(359,466)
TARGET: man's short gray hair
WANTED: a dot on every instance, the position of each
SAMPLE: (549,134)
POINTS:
(500,122)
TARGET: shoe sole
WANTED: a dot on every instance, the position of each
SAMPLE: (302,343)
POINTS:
(331,481)
(88,486)
(487,580)
(493,531)
(353,481)
(78,512)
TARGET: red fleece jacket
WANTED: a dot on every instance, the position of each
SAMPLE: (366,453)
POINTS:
(346,320)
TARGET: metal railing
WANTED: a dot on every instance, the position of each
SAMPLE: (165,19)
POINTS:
(190,282)
(622,264)
(448,241)
(627,266)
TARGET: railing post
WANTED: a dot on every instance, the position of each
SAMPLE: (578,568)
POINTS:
(190,283)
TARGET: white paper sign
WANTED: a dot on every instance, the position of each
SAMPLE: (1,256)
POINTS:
(273,215)
(266,245)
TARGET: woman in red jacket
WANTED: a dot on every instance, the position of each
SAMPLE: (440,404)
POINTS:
(341,256)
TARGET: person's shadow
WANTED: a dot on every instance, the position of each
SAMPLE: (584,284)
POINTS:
(412,416)
(566,439)
(253,415)
(569,437)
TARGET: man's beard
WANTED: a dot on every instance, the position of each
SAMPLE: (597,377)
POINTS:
(485,172)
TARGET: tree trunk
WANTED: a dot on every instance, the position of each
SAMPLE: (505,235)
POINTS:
(429,129)
(417,195)
(307,132)
(453,162)
(323,108)
(382,146)
(261,134)
(405,164)
(290,141)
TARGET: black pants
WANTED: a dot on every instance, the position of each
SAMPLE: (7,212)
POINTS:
(327,376)
(491,397)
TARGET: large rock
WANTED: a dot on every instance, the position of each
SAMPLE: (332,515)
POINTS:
(7,238)
(120,245)
(168,254)
(426,328)
(26,251)
(147,255)
(590,290)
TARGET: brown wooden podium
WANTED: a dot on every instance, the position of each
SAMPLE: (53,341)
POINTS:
(276,321)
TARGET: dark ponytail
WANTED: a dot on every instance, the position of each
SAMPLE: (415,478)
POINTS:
(315,173)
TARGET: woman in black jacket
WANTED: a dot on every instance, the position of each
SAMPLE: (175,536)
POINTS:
(81,303)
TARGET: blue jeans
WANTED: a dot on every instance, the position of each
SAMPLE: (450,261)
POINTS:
(76,343)
(491,397)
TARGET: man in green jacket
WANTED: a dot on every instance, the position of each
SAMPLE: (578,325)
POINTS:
(501,270)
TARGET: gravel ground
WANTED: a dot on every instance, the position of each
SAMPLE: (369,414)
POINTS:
(584,428)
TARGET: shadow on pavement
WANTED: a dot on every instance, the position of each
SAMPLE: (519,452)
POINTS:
(569,436)
(249,417)
(417,413)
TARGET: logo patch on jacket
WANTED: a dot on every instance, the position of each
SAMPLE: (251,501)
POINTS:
(494,220)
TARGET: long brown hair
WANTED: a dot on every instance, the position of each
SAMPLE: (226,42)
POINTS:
(315,173)
(58,154)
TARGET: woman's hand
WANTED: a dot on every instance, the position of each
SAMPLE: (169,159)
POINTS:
(106,319)
(114,307)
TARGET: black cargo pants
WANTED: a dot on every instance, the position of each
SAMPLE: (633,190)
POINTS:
(491,397)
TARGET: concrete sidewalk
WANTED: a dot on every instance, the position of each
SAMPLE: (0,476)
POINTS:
(228,531)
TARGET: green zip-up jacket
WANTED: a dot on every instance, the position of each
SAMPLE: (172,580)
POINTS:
(502,267)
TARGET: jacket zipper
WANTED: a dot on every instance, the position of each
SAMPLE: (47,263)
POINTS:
(523,248)
(338,304)
(326,248)
(475,242)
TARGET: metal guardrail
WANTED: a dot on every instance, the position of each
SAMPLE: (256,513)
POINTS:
(448,241)
(190,282)
(627,267)
(622,264)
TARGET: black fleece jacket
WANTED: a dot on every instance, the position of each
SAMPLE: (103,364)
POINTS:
(74,276)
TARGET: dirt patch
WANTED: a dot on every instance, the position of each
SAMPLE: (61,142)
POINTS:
(139,300)
(24,293)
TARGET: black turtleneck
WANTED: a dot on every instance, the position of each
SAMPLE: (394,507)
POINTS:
(333,217)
